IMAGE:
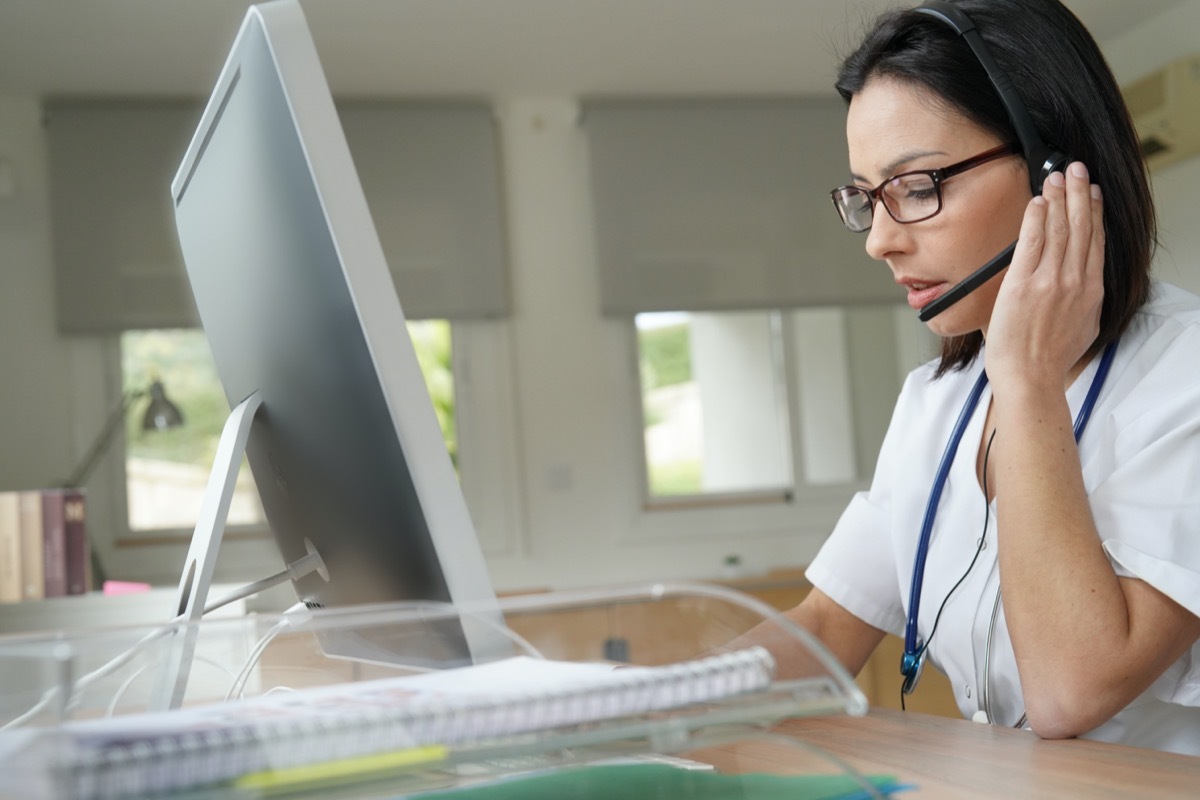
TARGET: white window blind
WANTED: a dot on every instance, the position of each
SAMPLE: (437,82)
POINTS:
(724,204)
(431,175)
(429,172)
(116,256)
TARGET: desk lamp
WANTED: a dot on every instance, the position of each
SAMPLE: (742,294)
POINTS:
(160,415)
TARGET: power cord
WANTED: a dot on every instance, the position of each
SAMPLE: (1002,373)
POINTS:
(303,566)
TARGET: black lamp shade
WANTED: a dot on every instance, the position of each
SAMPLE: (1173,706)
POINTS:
(161,413)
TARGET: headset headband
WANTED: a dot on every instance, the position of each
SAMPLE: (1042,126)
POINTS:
(1042,159)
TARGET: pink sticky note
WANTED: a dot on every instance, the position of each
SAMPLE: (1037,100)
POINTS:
(125,587)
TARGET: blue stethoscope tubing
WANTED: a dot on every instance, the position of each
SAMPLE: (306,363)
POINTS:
(914,650)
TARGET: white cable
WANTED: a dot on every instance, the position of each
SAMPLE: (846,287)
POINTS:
(299,568)
(90,678)
(290,617)
(112,706)
(295,571)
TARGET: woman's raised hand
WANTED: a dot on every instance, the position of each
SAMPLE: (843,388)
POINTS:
(1047,312)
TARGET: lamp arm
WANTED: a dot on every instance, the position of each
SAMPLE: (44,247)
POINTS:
(100,445)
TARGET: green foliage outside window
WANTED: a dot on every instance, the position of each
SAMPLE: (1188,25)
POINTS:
(431,339)
(182,361)
(666,357)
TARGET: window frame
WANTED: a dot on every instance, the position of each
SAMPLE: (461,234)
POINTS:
(783,361)
(806,511)
(487,466)
(727,498)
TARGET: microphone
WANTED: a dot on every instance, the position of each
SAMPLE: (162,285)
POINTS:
(968,284)
(1040,158)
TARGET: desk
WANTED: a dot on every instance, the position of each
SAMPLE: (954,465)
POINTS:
(949,758)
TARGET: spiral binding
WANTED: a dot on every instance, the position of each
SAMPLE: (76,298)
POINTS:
(194,758)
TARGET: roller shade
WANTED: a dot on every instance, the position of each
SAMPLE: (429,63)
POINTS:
(724,204)
(116,256)
(431,175)
(429,172)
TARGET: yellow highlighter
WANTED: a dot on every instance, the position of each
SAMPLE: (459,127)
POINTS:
(341,771)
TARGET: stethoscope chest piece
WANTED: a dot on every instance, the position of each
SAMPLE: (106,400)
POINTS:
(913,661)
(912,665)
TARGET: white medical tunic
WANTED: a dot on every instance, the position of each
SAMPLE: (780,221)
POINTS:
(1141,466)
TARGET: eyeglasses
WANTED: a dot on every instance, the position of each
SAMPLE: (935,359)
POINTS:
(908,197)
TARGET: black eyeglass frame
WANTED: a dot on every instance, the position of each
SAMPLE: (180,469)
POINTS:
(936,176)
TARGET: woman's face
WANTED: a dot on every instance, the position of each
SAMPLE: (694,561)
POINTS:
(894,127)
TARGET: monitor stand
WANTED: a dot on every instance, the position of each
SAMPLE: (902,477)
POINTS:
(197,575)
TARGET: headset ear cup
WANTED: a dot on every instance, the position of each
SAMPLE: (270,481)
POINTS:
(1055,162)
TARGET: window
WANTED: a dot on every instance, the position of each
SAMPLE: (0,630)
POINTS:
(714,406)
(167,470)
(767,405)
(431,339)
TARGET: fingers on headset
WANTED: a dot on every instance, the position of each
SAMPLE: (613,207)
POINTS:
(1032,237)
(1058,225)
(1079,213)
(1096,251)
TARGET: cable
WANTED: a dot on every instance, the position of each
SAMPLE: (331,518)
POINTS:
(239,682)
(238,687)
(90,678)
(297,569)
(112,706)
(987,511)
(1081,421)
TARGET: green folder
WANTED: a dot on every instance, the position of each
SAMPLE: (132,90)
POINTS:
(664,782)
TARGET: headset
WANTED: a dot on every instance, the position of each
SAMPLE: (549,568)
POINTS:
(1040,157)
(1042,160)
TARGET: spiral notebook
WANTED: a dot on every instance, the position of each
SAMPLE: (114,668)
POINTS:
(158,752)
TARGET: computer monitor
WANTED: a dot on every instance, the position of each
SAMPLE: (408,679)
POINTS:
(298,305)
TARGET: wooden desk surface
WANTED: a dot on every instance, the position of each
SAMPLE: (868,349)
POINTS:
(950,758)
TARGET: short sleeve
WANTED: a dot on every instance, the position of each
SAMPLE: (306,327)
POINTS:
(1148,515)
(1146,505)
(1147,508)
(1170,567)
(857,565)
(856,569)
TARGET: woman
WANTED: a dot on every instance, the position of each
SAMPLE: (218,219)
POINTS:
(1095,547)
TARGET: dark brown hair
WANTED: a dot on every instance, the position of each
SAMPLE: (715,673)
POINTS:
(1074,101)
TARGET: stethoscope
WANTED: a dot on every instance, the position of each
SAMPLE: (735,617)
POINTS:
(915,651)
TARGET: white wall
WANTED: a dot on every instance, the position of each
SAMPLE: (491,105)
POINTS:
(572,483)
(576,398)
(35,391)
(1157,42)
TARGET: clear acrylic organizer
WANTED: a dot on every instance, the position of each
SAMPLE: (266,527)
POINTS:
(353,702)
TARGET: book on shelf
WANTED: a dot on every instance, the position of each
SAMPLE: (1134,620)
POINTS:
(44,548)
(431,713)
(78,554)
(54,544)
(33,550)
(10,548)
